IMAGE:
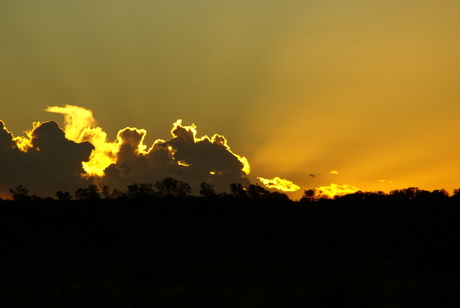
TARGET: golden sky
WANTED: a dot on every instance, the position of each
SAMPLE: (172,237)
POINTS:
(368,89)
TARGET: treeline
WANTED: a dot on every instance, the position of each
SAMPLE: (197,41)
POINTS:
(173,188)
(154,244)
(168,187)
(411,194)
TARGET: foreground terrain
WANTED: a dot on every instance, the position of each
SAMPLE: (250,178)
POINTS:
(229,252)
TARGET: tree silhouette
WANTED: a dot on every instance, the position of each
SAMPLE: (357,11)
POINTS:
(456,195)
(207,190)
(257,192)
(116,194)
(409,193)
(63,196)
(238,191)
(140,191)
(20,193)
(308,195)
(90,193)
(106,192)
(278,196)
(172,187)
(440,194)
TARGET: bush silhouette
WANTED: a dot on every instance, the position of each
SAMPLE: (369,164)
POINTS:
(140,191)
(89,193)
(63,196)
(237,190)
(20,193)
(207,190)
(170,187)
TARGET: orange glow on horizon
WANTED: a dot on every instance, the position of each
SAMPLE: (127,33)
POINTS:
(360,93)
(335,190)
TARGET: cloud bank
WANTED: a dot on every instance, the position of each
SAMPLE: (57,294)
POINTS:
(49,159)
(184,157)
(44,161)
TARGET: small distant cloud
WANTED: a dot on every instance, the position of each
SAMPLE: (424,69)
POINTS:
(280,184)
(335,190)
(385,181)
(334,172)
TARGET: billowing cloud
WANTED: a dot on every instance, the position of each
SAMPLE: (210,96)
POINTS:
(280,184)
(80,126)
(49,158)
(44,161)
(335,190)
(184,156)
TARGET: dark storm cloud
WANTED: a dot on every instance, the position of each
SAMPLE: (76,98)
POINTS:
(51,162)
(184,157)
(50,159)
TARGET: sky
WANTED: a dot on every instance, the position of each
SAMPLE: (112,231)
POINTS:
(359,94)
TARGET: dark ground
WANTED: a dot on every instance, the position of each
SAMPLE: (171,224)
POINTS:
(228,253)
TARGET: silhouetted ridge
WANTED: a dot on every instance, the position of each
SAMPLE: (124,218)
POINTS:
(363,249)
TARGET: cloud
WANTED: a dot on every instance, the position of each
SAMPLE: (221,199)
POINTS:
(44,161)
(335,190)
(385,181)
(80,126)
(49,158)
(185,157)
(280,184)
(334,172)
